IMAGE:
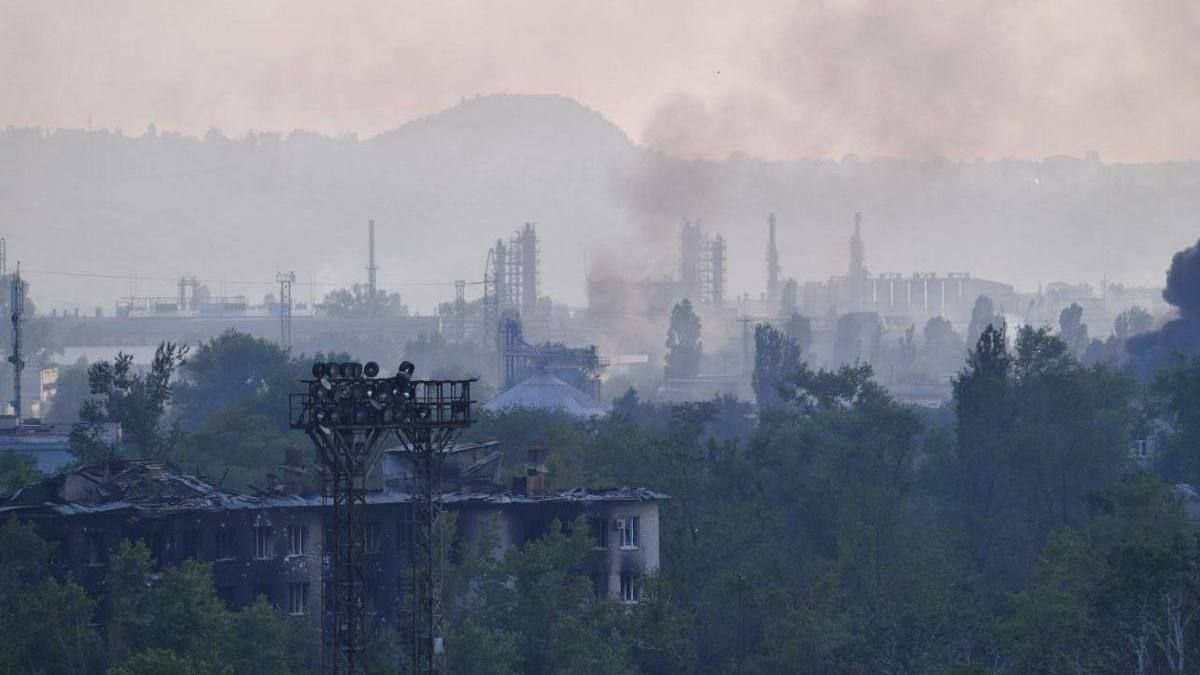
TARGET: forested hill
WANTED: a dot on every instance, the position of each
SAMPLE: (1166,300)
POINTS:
(242,208)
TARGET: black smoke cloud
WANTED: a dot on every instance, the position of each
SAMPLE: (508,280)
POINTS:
(1150,351)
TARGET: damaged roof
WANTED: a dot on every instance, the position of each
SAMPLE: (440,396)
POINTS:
(156,488)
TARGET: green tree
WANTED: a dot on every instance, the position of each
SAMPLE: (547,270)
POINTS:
(942,350)
(357,302)
(70,391)
(1073,330)
(17,470)
(231,369)
(134,401)
(983,314)
(46,623)
(776,356)
(683,343)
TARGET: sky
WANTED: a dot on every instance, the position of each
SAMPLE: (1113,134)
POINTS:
(779,80)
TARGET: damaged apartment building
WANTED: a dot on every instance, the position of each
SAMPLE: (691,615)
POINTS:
(270,544)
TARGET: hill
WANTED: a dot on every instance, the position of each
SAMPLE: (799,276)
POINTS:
(443,187)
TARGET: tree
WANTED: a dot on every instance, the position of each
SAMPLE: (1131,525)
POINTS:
(175,621)
(983,314)
(134,401)
(683,343)
(1133,321)
(17,470)
(46,623)
(1073,330)
(358,303)
(1120,594)
(234,368)
(775,357)
(70,391)
(942,350)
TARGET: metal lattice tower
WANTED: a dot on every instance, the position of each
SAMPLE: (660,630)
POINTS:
(717,277)
(286,282)
(15,358)
(346,412)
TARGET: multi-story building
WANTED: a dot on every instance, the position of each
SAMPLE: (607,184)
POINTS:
(271,544)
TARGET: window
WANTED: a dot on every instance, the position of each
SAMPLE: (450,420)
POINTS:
(599,532)
(226,544)
(629,587)
(170,551)
(629,531)
(406,531)
(297,539)
(298,598)
(374,537)
(263,549)
(191,544)
(95,548)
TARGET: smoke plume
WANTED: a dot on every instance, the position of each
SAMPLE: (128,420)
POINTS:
(1152,350)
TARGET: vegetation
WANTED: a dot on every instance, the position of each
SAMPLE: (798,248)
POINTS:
(830,530)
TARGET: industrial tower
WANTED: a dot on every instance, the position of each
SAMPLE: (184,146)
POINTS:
(286,282)
(856,277)
(773,271)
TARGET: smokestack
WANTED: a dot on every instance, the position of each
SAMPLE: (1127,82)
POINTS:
(773,271)
(371,269)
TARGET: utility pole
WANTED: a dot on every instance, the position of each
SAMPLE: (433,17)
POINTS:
(18,317)
(286,281)
(372,271)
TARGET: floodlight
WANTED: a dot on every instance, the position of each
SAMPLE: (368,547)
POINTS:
(371,369)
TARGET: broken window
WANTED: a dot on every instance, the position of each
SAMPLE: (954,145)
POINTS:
(297,539)
(298,598)
(170,550)
(226,544)
(374,537)
(629,587)
(405,530)
(191,544)
(95,547)
(628,527)
(263,549)
(599,527)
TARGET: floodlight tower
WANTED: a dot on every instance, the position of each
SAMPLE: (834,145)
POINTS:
(347,411)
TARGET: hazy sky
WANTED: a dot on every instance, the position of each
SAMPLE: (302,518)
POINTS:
(966,78)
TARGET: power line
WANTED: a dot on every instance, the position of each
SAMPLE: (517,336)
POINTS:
(235,282)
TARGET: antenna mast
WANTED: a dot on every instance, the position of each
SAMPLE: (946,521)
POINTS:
(18,317)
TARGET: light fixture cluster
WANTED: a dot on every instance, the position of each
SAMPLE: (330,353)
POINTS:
(352,395)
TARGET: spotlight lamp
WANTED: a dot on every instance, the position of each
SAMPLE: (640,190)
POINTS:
(350,396)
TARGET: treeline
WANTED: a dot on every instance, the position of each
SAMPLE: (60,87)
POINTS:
(830,529)
(839,531)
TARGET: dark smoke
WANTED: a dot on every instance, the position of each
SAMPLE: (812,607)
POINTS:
(1152,350)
